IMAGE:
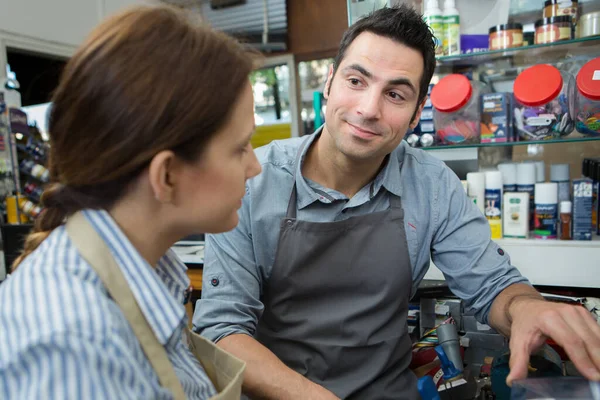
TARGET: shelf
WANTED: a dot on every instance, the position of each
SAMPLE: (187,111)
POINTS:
(571,263)
(509,144)
(533,51)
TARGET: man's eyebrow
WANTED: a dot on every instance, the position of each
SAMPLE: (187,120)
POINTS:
(394,82)
(359,68)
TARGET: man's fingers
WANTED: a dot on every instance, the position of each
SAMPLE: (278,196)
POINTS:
(580,320)
(519,360)
(566,326)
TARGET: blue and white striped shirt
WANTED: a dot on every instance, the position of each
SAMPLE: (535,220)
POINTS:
(63,337)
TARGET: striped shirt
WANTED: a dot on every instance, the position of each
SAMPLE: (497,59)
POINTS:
(63,337)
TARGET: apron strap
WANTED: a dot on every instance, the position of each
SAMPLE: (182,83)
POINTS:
(94,250)
(292,204)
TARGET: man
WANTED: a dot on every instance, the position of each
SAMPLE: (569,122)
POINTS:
(312,288)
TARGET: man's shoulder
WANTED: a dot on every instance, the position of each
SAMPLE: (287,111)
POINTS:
(279,152)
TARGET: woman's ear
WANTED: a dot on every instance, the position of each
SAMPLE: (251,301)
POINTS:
(162,174)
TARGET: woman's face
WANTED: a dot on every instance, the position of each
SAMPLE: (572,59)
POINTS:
(213,187)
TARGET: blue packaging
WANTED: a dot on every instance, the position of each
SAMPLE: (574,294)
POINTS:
(474,43)
(546,217)
(496,124)
(582,209)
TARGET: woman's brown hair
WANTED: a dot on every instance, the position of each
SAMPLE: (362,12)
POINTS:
(149,79)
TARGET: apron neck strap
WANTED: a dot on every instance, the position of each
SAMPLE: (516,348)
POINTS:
(292,209)
(96,253)
(293,202)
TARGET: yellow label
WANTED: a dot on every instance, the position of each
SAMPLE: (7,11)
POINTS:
(496,228)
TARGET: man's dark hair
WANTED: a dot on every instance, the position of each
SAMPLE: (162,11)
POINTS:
(403,25)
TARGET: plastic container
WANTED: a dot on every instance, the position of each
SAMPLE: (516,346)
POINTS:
(558,8)
(544,97)
(546,211)
(587,99)
(457,110)
(433,16)
(526,184)
(506,36)
(566,220)
(560,174)
(553,29)
(589,25)
(451,28)
(556,388)
(509,176)
(493,202)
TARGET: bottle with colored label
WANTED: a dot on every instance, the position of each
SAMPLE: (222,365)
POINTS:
(526,183)
(493,202)
(476,189)
(546,211)
(560,174)
(451,28)
(434,18)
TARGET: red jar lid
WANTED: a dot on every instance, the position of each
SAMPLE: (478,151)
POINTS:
(538,85)
(587,85)
(451,93)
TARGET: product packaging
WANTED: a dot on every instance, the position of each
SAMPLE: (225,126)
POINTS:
(546,211)
(493,202)
(496,119)
(516,215)
(582,209)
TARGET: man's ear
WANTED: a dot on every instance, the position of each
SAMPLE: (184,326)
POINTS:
(162,174)
(328,83)
(417,115)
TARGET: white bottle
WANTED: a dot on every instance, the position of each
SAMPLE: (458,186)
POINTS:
(493,202)
(560,174)
(451,28)
(540,172)
(434,18)
(509,176)
(526,183)
(476,189)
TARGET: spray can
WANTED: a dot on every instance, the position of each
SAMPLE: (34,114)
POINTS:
(559,173)
(540,172)
(526,183)
(493,202)
(509,176)
(546,210)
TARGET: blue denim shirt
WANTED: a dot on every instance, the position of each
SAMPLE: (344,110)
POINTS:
(441,224)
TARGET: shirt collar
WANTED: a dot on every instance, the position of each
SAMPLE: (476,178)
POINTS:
(388,177)
(158,292)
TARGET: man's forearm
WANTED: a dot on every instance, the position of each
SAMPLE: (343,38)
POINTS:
(500,313)
(266,377)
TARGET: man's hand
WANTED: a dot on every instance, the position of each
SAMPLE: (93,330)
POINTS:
(572,327)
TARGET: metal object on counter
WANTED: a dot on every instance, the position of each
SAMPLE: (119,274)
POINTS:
(589,25)
(448,339)
(412,140)
(426,140)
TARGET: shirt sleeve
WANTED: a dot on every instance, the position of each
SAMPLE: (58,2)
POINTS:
(475,267)
(231,283)
(71,367)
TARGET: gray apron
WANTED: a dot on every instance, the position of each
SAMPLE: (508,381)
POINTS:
(337,301)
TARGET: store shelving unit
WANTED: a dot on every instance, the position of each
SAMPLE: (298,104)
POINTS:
(550,262)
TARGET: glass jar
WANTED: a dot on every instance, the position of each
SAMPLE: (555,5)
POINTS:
(553,29)
(558,8)
(457,110)
(506,36)
(587,99)
(543,103)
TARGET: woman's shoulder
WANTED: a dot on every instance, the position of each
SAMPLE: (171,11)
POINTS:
(53,293)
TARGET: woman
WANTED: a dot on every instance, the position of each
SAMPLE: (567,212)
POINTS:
(150,142)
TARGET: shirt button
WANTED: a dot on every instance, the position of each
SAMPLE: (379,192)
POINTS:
(214,281)
(344,210)
(501,252)
(289,222)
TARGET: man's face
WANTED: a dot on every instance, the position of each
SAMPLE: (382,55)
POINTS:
(372,97)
